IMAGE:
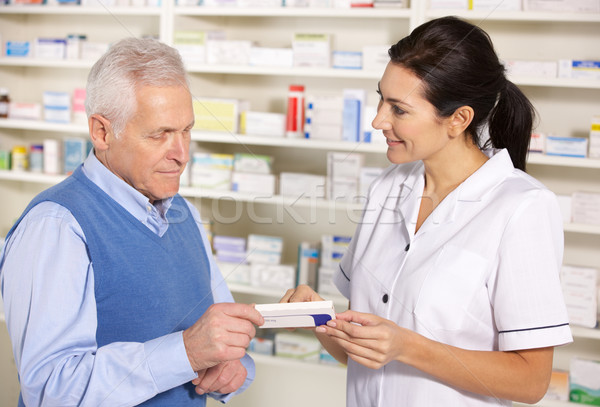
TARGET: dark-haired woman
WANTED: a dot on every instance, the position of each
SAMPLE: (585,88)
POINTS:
(453,274)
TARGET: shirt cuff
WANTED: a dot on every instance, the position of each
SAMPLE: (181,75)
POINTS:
(248,363)
(168,361)
(535,338)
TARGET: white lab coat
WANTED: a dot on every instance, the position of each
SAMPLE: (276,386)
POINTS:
(482,273)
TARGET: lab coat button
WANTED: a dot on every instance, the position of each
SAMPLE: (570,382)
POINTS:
(385,298)
(407,247)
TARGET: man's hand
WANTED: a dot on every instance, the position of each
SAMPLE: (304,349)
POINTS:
(223,378)
(222,334)
(302,293)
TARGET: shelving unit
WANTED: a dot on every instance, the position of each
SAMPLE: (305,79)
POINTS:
(265,88)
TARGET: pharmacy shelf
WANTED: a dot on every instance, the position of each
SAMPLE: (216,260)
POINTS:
(279,200)
(588,333)
(526,16)
(290,362)
(559,161)
(214,194)
(556,82)
(243,139)
(80,10)
(46,63)
(294,12)
(38,125)
(275,294)
(580,228)
(282,71)
(286,201)
(360,74)
(32,177)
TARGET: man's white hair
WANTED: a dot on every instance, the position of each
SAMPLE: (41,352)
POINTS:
(127,66)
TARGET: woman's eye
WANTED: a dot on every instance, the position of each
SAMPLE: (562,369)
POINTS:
(397,110)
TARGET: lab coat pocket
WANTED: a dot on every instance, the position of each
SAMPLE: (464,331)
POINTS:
(455,279)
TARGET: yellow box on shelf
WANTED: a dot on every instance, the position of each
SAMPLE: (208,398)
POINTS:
(214,114)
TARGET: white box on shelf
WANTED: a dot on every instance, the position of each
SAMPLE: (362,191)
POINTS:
(262,184)
(580,285)
(295,315)
(567,146)
(504,5)
(367,176)
(262,346)
(347,59)
(57,107)
(585,208)
(569,6)
(333,248)
(235,273)
(262,124)
(210,178)
(28,111)
(297,346)
(265,243)
(252,163)
(302,185)
(259,3)
(52,157)
(578,69)
(565,202)
(537,144)
(535,69)
(232,243)
(449,4)
(272,275)
(263,257)
(278,57)
(344,164)
(191,44)
(228,52)
(325,284)
(375,58)
(50,48)
(92,51)
(311,50)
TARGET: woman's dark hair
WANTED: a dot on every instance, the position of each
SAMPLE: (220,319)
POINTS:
(458,66)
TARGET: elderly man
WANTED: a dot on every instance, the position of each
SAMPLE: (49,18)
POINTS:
(111,294)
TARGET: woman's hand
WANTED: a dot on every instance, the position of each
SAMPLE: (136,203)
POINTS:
(302,293)
(367,339)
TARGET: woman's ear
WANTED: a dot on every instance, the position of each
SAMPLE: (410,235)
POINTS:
(100,132)
(460,120)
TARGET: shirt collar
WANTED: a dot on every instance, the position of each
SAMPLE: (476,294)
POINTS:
(485,179)
(124,194)
(473,189)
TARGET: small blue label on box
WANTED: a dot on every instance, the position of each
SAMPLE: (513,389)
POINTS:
(586,64)
(17,48)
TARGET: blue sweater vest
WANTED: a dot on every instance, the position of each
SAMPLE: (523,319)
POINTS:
(146,286)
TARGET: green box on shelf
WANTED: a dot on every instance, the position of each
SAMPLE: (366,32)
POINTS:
(584,381)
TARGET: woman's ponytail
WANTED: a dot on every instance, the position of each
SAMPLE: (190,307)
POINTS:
(511,124)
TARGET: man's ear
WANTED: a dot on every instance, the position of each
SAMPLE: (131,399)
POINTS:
(101,132)
(460,120)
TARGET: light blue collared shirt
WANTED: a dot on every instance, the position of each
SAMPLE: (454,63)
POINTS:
(50,310)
